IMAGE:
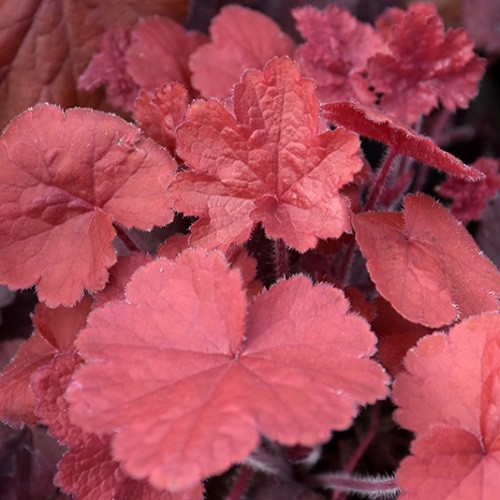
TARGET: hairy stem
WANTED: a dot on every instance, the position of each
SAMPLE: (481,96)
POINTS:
(125,238)
(241,483)
(379,181)
(372,487)
(281,257)
(363,445)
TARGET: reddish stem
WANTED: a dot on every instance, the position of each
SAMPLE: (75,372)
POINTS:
(356,456)
(241,483)
(379,181)
(125,238)
(281,264)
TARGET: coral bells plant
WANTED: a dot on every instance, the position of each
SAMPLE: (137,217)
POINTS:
(246,282)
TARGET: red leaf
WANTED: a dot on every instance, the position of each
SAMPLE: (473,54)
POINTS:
(426,65)
(205,385)
(119,276)
(426,264)
(108,67)
(336,52)
(266,165)
(241,39)
(55,332)
(451,398)
(65,177)
(159,113)
(374,124)
(471,199)
(159,53)
(87,470)
(396,336)
(46,43)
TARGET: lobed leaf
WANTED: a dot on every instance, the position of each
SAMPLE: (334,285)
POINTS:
(266,164)
(205,374)
(450,397)
(65,178)
(426,65)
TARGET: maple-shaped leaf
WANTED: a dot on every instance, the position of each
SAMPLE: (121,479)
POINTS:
(55,332)
(65,177)
(450,397)
(108,67)
(87,470)
(161,111)
(336,52)
(160,51)
(469,200)
(426,264)
(205,374)
(265,164)
(425,66)
(241,39)
(374,124)
(46,44)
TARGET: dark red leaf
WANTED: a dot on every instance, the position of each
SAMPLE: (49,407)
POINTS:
(471,199)
(46,45)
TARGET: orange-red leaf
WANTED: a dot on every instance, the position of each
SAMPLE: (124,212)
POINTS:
(425,263)
(266,164)
(65,178)
(205,374)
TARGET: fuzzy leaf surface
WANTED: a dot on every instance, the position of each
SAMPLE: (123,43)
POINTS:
(266,164)
(206,374)
(426,264)
(374,124)
(450,397)
(65,178)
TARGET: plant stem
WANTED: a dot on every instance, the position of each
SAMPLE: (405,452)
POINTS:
(281,264)
(368,438)
(125,238)
(368,486)
(379,181)
(241,483)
